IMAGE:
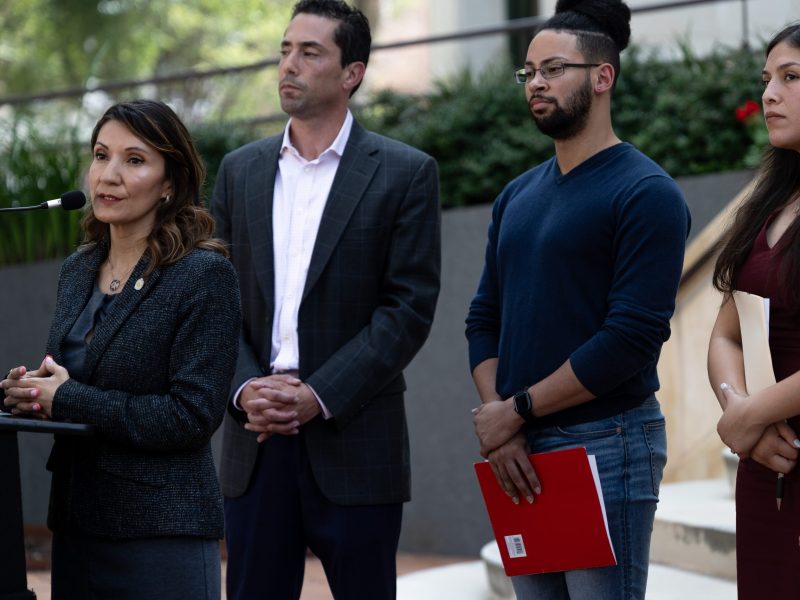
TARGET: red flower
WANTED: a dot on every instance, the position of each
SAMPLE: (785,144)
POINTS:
(751,107)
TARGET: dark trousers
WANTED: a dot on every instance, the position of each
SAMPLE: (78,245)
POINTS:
(171,568)
(283,512)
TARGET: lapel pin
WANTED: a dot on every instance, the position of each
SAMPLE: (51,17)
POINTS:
(139,284)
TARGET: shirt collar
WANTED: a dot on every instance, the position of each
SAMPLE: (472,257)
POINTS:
(337,147)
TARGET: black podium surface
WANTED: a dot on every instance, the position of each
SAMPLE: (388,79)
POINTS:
(13,575)
(10,423)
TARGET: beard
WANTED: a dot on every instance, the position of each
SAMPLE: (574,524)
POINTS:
(568,121)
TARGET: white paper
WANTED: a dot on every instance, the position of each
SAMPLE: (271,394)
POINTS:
(754,326)
(598,487)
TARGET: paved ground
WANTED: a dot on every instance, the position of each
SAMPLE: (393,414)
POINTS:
(314,588)
(465,579)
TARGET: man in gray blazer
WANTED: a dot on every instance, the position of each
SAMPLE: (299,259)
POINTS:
(334,233)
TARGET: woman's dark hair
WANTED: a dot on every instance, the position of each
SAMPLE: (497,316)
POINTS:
(603,28)
(777,184)
(182,223)
(352,34)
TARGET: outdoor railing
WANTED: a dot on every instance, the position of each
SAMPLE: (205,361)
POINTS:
(512,26)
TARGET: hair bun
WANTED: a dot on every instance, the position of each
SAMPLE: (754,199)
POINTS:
(612,17)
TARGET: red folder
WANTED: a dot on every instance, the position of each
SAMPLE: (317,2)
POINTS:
(564,529)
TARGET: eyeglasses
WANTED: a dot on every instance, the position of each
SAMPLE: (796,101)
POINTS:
(548,71)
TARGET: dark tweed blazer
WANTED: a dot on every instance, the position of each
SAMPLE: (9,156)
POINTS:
(154,385)
(367,307)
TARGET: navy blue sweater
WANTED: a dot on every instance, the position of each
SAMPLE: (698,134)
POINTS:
(583,266)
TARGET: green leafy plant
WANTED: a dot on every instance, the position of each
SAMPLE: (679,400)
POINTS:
(215,140)
(481,133)
(478,128)
(36,166)
(679,112)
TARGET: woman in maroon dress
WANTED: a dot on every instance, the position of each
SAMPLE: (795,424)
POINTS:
(761,255)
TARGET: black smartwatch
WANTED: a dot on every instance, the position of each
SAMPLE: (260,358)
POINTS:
(523,405)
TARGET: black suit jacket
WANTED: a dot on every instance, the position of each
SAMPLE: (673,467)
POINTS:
(155,386)
(367,307)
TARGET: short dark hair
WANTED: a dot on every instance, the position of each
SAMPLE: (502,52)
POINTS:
(602,27)
(352,34)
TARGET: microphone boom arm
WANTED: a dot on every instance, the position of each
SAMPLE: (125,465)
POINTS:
(20,208)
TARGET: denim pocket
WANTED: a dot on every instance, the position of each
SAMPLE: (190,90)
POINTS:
(592,430)
(655,436)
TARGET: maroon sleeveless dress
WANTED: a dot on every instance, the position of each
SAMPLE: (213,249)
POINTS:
(768,540)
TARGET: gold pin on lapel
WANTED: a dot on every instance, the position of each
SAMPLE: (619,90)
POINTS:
(139,284)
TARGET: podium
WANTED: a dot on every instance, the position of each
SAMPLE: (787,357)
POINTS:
(13,573)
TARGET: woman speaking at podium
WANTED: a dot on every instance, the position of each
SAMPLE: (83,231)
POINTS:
(142,347)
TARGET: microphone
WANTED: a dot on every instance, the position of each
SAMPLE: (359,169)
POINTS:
(69,201)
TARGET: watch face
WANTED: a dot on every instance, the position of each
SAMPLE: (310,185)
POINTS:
(522,403)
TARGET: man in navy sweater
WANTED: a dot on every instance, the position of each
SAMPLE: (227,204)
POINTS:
(582,267)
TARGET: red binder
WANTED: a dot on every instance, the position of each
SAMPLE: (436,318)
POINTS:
(564,529)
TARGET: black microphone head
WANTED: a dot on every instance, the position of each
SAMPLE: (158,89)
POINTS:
(73,200)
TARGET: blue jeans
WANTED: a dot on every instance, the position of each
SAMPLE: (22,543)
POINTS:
(631,451)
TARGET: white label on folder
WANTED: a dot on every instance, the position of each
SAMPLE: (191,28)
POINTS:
(516,547)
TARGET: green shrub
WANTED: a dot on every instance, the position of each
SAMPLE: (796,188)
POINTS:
(679,112)
(215,140)
(37,166)
(682,113)
(478,129)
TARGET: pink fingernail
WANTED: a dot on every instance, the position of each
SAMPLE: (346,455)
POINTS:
(36,407)
(34,393)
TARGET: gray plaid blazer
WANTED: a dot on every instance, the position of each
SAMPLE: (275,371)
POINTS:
(367,308)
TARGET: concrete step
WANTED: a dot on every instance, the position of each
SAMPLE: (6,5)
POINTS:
(692,554)
(695,528)
(468,581)
(464,581)
(669,583)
